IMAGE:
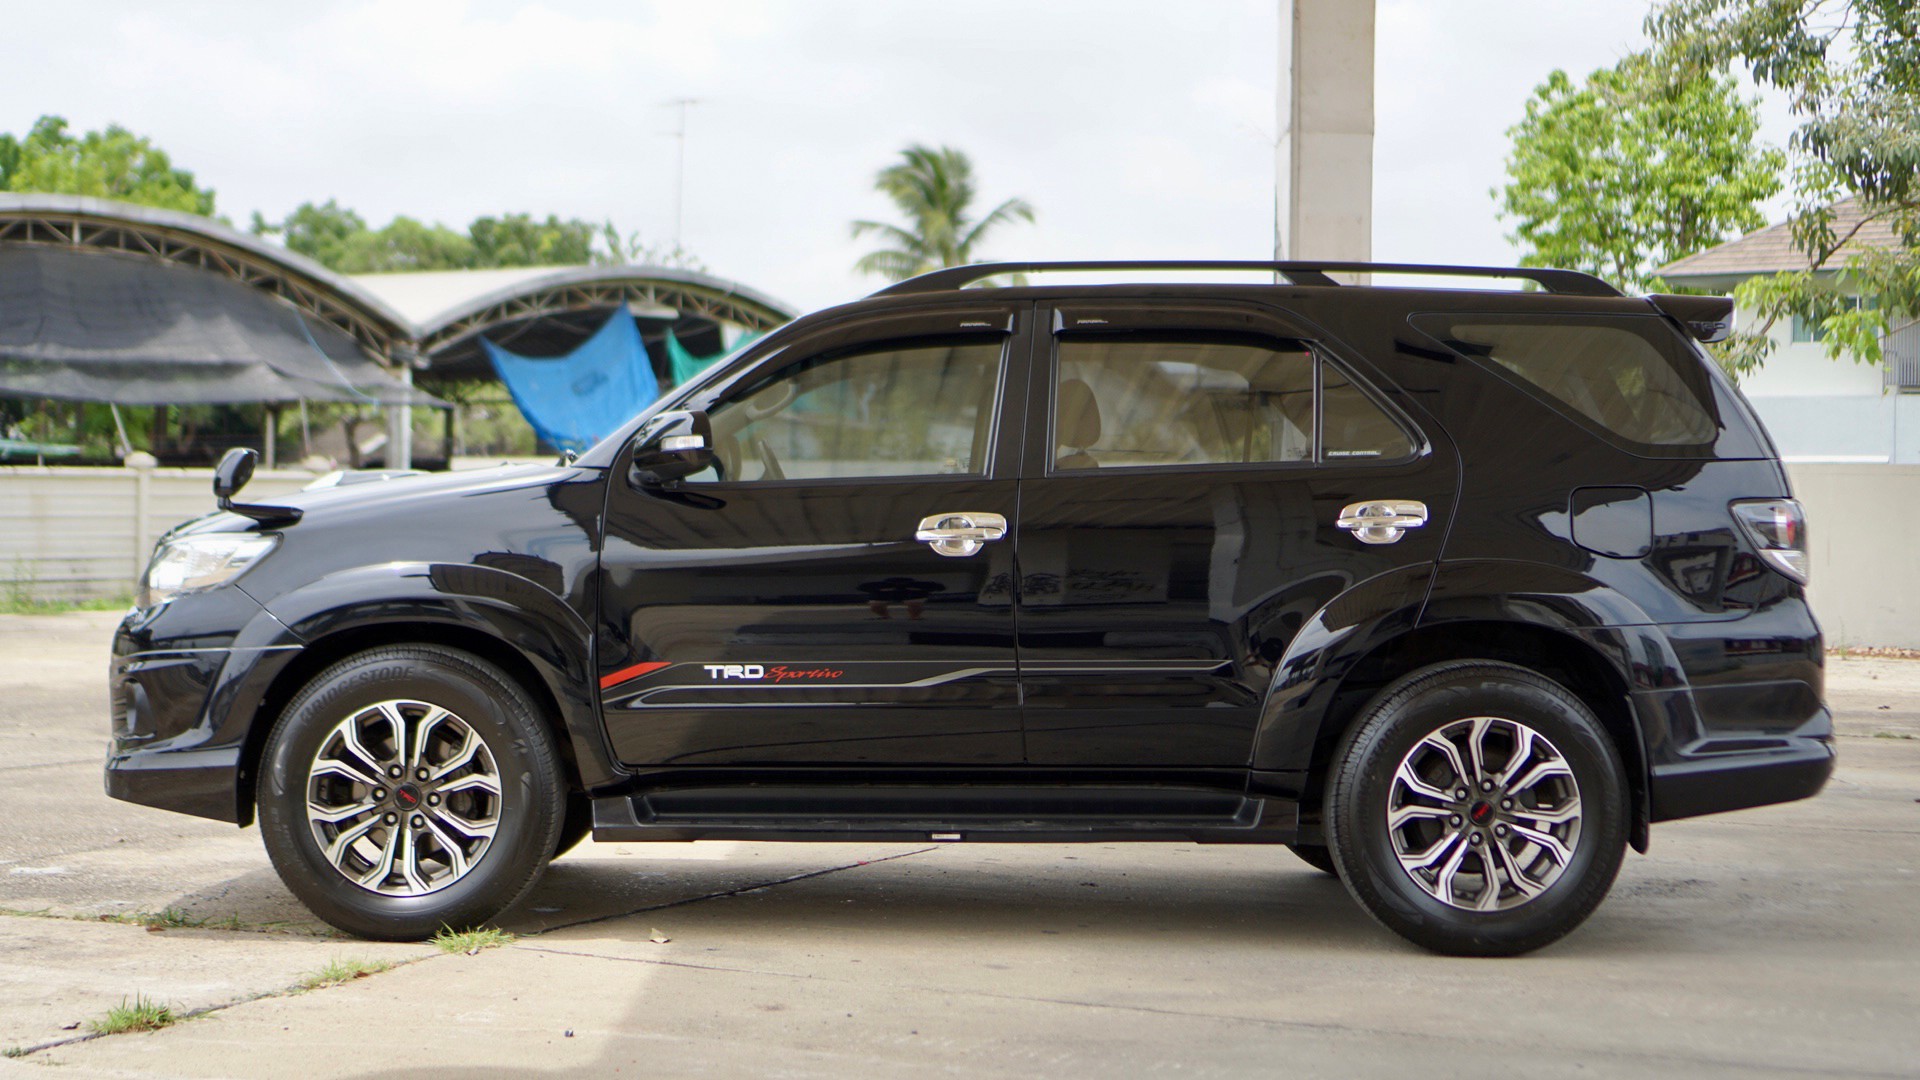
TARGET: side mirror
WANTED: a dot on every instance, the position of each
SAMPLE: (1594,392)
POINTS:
(232,474)
(672,447)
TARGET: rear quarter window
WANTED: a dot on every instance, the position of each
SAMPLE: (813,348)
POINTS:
(1628,376)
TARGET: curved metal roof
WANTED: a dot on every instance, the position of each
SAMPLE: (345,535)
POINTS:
(584,288)
(86,223)
(83,222)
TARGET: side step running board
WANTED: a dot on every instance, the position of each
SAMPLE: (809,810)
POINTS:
(979,814)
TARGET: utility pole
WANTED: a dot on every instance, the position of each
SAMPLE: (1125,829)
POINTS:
(680,171)
(1323,205)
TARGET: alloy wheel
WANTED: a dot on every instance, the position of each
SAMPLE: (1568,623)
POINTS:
(403,798)
(1484,814)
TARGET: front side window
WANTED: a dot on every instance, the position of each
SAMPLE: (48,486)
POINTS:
(915,408)
(1137,399)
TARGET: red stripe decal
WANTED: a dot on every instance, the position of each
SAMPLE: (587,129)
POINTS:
(626,674)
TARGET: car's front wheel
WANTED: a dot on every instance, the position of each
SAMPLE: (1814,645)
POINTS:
(410,788)
(1477,809)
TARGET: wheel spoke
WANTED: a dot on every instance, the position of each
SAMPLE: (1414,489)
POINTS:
(1489,898)
(334,815)
(1443,880)
(1547,842)
(471,782)
(1558,815)
(456,854)
(1476,735)
(373,878)
(470,826)
(469,747)
(336,767)
(421,731)
(1407,776)
(1523,742)
(1416,812)
(336,852)
(350,738)
(1545,770)
(1444,745)
(410,860)
(1517,877)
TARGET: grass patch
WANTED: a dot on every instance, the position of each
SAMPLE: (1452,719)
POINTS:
(19,602)
(1891,735)
(140,1014)
(449,940)
(14,1052)
(173,918)
(343,971)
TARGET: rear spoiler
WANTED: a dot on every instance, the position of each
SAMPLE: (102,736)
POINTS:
(1706,318)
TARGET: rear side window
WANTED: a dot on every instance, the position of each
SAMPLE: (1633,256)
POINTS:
(1625,374)
(1133,399)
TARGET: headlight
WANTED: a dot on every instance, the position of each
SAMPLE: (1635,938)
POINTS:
(193,563)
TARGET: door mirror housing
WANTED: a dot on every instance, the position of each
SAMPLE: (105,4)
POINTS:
(671,447)
(232,474)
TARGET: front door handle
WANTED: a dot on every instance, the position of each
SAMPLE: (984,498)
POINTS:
(957,535)
(1383,521)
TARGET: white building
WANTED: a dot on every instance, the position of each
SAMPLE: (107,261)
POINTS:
(1820,409)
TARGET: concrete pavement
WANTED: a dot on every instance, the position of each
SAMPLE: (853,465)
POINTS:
(1779,940)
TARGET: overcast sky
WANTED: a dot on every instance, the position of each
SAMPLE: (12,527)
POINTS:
(1137,129)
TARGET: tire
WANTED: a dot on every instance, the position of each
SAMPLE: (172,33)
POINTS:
(576,825)
(1316,856)
(472,825)
(1566,786)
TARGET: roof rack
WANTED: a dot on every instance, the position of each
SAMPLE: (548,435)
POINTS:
(1567,282)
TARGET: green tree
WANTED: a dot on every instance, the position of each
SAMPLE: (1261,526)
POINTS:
(1850,71)
(113,163)
(1633,169)
(934,190)
(519,240)
(631,249)
(340,238)
(321,233)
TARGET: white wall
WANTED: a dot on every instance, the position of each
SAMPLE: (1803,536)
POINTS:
(1819,409)
(71,533)
(1863,526)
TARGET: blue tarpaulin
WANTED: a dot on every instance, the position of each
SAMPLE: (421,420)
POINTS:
(574,401)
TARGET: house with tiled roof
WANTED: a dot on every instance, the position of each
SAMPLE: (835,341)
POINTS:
(1819,409)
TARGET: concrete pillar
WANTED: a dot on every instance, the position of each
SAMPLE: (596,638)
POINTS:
(400,417)
(1325,158)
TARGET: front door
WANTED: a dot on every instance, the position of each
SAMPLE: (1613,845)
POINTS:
(779,610)
(1179,522)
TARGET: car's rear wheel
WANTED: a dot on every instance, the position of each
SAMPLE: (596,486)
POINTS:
(1477,809)
(410,788)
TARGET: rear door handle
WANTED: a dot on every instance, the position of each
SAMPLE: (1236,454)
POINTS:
(961,533)
(1382,521)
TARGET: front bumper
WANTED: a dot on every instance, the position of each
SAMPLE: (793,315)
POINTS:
(182,707)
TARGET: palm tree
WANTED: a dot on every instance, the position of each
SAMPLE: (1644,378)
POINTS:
(934,190)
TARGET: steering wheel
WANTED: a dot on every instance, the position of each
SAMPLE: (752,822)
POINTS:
(769,465)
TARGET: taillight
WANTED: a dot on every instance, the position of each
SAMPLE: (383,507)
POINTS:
(1778,530)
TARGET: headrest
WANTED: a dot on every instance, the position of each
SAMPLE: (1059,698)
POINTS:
(1079,423)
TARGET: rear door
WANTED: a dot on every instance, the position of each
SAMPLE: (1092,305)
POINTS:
(1180,511)
(783,608)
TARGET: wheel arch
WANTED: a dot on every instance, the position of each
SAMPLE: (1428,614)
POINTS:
(496,616)
(1570,633)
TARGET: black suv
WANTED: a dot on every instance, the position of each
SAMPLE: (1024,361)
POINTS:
(1454,592)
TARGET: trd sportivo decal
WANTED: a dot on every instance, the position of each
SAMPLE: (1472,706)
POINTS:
(667,684)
